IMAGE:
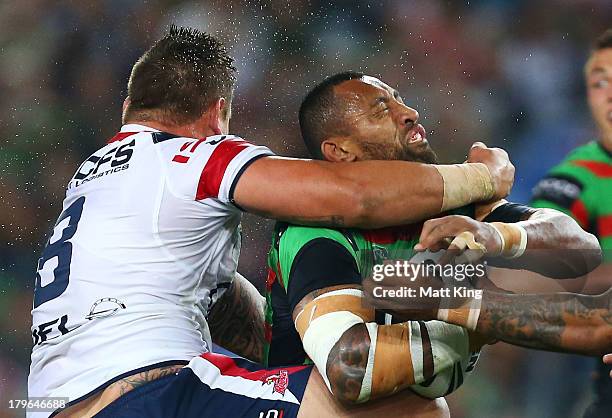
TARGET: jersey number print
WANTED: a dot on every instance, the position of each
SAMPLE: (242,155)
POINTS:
(57,252)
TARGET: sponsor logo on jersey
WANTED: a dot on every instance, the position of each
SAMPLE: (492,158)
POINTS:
(104,307)
(560,190)
(112,161)
(280,381)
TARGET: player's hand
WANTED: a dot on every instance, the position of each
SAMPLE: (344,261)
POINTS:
(436,233)
(608,360)
(499,165)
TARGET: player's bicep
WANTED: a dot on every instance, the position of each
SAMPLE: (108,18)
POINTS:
(305,192)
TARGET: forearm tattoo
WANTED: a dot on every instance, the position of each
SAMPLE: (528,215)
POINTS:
(237,323)
(563,322)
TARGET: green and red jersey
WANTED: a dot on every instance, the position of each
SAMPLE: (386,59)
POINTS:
(581,186)
(303,259)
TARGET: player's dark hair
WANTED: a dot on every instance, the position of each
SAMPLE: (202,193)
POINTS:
(179,77)
(604,40)
(320,116)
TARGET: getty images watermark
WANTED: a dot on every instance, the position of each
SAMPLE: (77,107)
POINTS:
(425,280)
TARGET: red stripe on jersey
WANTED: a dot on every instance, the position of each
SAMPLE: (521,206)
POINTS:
(180,159)
(228,367)
(390,235)
(598,168)
(580,212)
(604,226)
(122,135)
(197,144)
(186,145)
(268,332)
(270,279)
(212,174)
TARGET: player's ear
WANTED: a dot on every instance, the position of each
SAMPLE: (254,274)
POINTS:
(126,103)
(337,150)
(217,116)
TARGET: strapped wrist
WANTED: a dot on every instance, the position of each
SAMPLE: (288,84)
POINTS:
(465,183)
(513,239)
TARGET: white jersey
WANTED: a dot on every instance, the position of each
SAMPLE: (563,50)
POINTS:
(148,239)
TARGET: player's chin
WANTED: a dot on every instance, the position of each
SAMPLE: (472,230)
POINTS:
(422,144)
(422,152)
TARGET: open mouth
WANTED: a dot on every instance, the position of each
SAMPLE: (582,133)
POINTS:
(417,134)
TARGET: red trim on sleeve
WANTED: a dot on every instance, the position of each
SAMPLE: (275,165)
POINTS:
(212,174)
(604,226)
(598,168)
(122,135)
(580,213)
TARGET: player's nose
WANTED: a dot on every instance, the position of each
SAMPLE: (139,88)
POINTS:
(408,116)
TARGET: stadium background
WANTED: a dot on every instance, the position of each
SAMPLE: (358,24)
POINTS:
(505,72)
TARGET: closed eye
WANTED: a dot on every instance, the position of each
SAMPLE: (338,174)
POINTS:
(600,84)
(382,110)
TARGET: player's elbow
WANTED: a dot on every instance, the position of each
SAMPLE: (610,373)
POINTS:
(346,365)
(359,201)
(339,374)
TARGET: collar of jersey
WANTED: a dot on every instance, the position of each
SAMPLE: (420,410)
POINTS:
(134,127)
(129,130)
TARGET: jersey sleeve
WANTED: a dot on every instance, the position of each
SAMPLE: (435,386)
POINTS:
(313,258)
(321,263)
(210,167)
(510,213)
(564,189)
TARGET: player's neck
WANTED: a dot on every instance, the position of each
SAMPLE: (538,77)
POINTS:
(193,130)
(606,141)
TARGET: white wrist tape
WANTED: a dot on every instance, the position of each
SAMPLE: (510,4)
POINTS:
(465,184)
(513,238)
(465,316)
(522,246)
(366,385)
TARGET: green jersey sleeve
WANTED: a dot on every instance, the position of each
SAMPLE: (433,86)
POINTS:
(295,238)
(570,188)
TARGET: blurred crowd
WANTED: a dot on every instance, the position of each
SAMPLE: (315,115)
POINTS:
(505,72)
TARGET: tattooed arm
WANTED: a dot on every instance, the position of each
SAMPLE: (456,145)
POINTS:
(90,406)
(562,321)
(361,360)
(236,320)
(565,322)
